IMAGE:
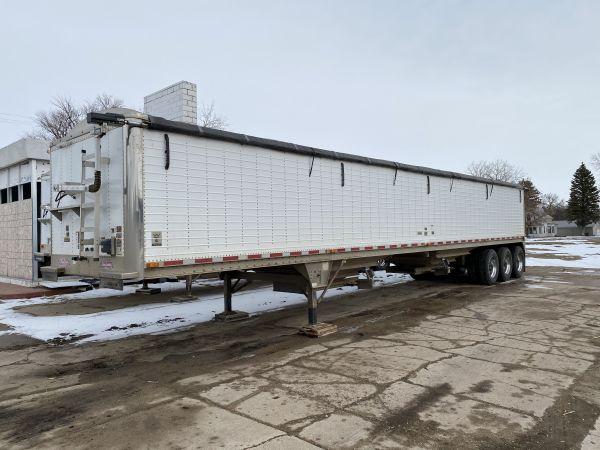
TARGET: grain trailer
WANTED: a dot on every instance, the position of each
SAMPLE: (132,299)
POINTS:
(138,197)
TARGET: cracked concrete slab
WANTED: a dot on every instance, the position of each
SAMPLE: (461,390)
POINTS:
(592,440)
(392,399)
(528,390)
(233,391)
(494,353)
(278,407)
(420,339)
(336,394)
(338,431)
(298,374)
(184,423)
(365,364)
(287,443)
(468,416)
(208,379)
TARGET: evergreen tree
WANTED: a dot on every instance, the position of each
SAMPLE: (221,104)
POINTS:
(583,206)
(533,202)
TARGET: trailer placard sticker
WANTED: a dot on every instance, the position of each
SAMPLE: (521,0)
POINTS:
(157,239)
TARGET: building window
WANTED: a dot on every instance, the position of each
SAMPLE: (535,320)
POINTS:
(3,196)
(26,189)
(14,193)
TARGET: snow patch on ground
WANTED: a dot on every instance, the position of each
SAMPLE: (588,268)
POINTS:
(569,252)
(154,318)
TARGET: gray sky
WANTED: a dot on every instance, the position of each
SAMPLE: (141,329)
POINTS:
(434,83)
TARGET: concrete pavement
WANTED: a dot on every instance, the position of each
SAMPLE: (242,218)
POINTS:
(422,365)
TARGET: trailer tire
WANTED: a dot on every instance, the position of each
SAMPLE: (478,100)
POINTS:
(471,266)
(505,259)
(488,266)
(518,257)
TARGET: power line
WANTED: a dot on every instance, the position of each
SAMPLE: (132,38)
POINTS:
(15,122)
(17,115)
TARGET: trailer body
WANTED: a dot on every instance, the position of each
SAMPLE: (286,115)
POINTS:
(178,200)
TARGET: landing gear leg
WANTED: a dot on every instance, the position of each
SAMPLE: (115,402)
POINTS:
(314,328)
(146,290)
(228,314)
(188,285)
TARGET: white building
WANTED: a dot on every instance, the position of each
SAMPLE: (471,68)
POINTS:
(22,235)
(545,227)
(566,228)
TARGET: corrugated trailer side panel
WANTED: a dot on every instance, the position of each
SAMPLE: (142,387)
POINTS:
(221,199)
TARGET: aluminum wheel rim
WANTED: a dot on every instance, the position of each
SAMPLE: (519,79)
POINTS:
(493,268)
(507,267)
(520,263)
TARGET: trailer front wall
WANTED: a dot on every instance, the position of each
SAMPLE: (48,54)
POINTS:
(67,168)
(220,199)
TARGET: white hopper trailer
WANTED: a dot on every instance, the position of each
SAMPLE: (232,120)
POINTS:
(138,197)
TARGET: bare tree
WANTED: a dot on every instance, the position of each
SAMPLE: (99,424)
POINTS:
(596,161)
(553,206)
(102,102)
(499,170)
(57,121)
(210,119)
(65,114)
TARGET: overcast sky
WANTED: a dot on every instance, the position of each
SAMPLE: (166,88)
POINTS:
(434,83)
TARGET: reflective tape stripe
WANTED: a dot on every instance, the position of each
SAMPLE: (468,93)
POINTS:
(294,253)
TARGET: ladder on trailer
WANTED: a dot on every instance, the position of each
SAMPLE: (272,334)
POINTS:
(90,203)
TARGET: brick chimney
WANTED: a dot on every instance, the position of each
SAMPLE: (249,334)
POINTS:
(176,102)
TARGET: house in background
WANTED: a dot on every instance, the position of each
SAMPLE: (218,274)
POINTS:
(566,228)
(543,227)
(22,236)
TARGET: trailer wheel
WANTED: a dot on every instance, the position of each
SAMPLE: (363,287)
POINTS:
(488,266)
(505,259)
(471,265)
(518,257)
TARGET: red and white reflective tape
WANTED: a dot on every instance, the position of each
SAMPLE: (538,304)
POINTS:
(295,253)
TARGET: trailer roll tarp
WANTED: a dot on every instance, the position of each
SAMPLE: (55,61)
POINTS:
(172,126)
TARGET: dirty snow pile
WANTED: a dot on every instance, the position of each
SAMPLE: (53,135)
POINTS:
(564,252)
(150,318)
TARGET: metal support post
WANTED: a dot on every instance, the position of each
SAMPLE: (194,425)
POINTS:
(311,295)
(227,293)
(147,290)
(229,314)
(314,328)
(188,285)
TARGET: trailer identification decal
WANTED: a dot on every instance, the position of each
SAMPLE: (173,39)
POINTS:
(157,239)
